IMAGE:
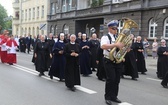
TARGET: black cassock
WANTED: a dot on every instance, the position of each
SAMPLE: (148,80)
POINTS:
(42,51)
(72,76)
(51,43)
(140,58)
(85,59)
(130,66)
(58,64)
(162,63)
(93,48)
(22,44)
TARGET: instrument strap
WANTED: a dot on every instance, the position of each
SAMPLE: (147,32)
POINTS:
(109,37)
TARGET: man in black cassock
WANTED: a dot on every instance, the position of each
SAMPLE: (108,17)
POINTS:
(139,56)
(22,44)
(79,38)
(72,76)
(130,66)
(162,62)
(94,43)
(51,43)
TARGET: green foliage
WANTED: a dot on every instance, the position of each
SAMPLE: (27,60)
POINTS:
(101,2)
(3,14)
(96,3)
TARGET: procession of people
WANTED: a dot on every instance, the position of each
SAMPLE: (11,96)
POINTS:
(67,56)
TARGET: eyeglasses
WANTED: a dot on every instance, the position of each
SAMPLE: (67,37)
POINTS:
(114,28)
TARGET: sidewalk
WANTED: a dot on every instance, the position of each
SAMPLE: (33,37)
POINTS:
(151,63)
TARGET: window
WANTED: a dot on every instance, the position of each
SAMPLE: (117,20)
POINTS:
(66,29)
(120,26)
(120,1)
(52,8)
(29,31)
(42,12)
(38,12)
(22,14)
(56,30)
(37,31)
(33,32)
(66,5)
(25,30)
(29,14)
(152,28)
(26,14)
(52,30)
(33,13)
(166,28)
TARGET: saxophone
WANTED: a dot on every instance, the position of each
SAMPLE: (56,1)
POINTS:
(125,38)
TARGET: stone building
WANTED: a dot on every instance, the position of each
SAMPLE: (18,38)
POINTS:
(30,17)
(73,16)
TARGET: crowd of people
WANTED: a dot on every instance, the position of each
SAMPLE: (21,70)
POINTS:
(68,56)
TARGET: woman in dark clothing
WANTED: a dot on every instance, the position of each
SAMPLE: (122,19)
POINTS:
(139,56)
(85,57)
(72,76)
(162,62)
(41,52)
(94,43)
(130,66)
(58,64)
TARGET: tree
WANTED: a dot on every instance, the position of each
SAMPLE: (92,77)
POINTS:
(3,14)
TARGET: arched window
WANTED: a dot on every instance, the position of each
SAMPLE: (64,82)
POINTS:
(152,28)
(52,29)
(66,29)
(22,31)
(166,28)
(56,30)
(26,31)
(29,30)
(37,31)
(33,31)
(120,26)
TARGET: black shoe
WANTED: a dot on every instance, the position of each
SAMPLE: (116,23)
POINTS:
(102,79)
(108,102)
(40,74)
(62,80)
(143,73)
(164,85)
(51,77)
(73,89)
(116,100)
(134,79)
(122,76)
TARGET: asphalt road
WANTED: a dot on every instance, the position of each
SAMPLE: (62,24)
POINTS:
(21,85)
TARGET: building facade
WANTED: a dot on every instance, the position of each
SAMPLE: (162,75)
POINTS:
(30,17)
(73,16)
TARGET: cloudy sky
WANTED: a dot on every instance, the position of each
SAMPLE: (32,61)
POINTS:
(8,6)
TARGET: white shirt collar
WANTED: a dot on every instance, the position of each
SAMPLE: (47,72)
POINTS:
(72,42)
(61,41)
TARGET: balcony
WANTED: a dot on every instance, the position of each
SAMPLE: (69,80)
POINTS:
(15,21)
(15,5)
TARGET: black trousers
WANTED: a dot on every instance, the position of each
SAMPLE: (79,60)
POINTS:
(113,73)
(165,79)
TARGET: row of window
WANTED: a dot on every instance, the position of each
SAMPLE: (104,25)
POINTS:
(152,28)
(68,5)
(33,13)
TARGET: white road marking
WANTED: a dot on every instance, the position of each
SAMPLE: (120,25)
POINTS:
(154,79)
(125,103)
(85,89)
(31,71)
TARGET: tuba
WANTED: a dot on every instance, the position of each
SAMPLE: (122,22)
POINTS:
(125,38)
